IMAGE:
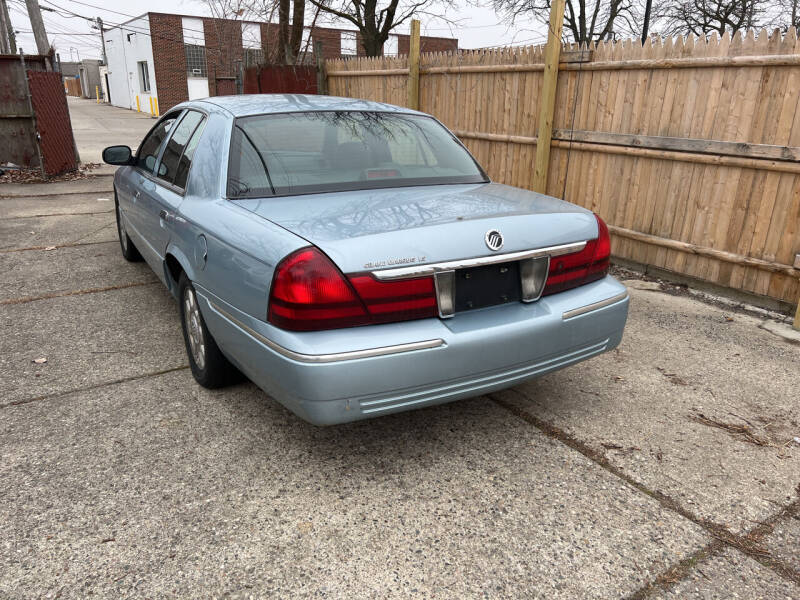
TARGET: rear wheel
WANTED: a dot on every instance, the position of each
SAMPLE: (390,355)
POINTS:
(209,366)
(129,251)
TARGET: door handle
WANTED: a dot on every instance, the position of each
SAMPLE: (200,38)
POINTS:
(137,194)
(165,215)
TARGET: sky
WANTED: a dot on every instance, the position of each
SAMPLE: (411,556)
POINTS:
(74,37)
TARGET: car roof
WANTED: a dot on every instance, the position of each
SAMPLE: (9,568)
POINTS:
(259,104)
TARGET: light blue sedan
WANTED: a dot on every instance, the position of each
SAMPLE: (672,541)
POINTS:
(353,259)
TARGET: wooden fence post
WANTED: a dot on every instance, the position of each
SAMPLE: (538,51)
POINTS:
(797,316)
(413,66)
(547,102)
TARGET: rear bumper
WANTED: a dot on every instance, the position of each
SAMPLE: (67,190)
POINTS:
(349,374)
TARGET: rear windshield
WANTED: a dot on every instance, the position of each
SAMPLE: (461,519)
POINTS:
(309,152)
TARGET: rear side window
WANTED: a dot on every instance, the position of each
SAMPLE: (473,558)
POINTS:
(176,146)
(148,151)
(185,162)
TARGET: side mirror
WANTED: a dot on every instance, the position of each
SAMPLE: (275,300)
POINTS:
(118,155)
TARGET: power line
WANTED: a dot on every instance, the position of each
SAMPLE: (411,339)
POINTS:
(116,12)
(536,40)
(113,25)
(64,28)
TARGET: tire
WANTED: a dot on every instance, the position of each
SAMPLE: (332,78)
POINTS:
(129,251)
(209,366)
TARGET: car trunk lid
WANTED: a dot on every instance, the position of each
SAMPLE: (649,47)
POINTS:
(399,227)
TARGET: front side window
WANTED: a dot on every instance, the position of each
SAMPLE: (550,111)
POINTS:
(144,77)
(300,153)
(176,145)
(148,151)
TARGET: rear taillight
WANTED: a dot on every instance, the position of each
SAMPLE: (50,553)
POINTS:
(396,300)
(309,293)
(590,264)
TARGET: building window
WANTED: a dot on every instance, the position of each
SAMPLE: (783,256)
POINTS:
(196,60)
(253,57)
(348,40)
(251,36)
(144,77)
(390,46)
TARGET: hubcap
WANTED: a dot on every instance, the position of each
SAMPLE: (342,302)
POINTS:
(123,235)
(194,328)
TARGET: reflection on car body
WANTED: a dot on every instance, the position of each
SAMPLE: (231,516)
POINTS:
(353,259)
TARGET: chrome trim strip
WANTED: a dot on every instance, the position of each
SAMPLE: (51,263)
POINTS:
(475,384)
(423,270)
(576,312)
(328,358)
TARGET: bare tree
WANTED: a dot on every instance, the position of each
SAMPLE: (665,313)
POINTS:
(375,19)
(702,17)
(230,9)
(291,21)
(583,21)
(648,14)
(290,34)
(788,14)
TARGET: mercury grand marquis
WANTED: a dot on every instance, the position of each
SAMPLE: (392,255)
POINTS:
(353,259)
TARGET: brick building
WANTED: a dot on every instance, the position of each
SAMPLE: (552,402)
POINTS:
(158,60)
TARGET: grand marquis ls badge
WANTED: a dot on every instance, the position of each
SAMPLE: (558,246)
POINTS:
(494,239)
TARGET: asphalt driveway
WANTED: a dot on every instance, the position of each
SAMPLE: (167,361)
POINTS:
(667,468)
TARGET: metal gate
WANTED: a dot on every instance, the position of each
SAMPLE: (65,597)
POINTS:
(280,79)
(34,118)
(52,122)
(226,86)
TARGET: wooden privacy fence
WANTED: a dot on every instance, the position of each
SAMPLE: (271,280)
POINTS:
(72,86)
(688,148)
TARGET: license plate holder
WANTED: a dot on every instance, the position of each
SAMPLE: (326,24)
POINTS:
(488,285)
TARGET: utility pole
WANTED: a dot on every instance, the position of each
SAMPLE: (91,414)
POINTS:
(102,39)
(8,44)
(37,24)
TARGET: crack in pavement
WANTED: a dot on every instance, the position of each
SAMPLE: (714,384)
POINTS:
(76,292)
(69,245)
(678,572)
(748,544)
(98,230)
(54,195)
(93,387)
(77,214)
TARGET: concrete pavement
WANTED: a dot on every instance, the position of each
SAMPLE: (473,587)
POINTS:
(665,469)
(96,126)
